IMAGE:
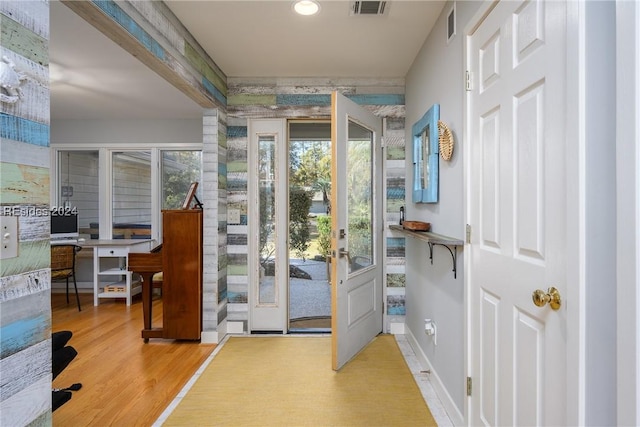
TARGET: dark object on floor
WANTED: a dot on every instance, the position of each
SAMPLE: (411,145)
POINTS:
(62,355)
(59,398)
(72,387)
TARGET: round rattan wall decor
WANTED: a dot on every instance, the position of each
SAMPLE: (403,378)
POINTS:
(445,141)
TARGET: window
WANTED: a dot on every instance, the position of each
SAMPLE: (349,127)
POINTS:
(267,152)
(131,195)
(136,186)
(78,188)
(179,170)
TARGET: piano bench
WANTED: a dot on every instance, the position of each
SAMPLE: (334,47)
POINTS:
(156,281)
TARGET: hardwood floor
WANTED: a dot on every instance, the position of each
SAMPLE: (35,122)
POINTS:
(125,382)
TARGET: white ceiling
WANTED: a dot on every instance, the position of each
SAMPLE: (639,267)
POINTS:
(92,77)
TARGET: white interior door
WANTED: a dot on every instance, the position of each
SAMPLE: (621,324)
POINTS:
(356,279)
(518,214)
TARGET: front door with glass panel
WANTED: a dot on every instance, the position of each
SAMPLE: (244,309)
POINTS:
(357,223)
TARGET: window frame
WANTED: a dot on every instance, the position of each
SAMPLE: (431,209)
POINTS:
(105,179)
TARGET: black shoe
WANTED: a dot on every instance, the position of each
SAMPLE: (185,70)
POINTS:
(59,398)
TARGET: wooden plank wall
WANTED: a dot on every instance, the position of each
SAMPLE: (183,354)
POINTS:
(214,195)
(25,313)
(310,98)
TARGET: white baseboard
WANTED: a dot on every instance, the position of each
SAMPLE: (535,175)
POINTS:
(235,327)
(210,337)
(454,413)
(396,328)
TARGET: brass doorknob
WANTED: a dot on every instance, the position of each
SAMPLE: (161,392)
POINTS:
(540,298)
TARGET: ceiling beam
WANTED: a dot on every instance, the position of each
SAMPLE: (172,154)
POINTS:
(186,67)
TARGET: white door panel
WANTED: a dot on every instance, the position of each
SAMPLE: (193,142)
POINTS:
(356,223)
(517,213)
(362,301)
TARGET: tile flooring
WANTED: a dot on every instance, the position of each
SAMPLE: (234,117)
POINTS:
(422,379)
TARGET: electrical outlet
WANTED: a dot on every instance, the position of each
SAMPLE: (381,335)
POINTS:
(431,330)
(9,227)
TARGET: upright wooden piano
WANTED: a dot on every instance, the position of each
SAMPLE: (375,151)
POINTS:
(180,260)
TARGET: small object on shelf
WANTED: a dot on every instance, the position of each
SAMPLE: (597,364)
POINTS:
(401,214)
(115,288)
(416,225)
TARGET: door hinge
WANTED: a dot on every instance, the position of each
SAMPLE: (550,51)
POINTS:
(467,80)
(468,386)
(468,233)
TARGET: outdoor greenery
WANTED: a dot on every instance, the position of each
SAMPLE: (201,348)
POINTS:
(310,171)
(299,234)
(179,170)
(267,245)
(324,235)
(267,202)
(359,194)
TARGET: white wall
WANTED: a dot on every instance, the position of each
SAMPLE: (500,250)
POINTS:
(108,132)
(436,76)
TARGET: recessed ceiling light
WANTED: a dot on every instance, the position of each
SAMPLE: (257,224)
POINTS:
(306,7)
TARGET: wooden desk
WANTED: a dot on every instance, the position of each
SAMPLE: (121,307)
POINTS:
(114,273)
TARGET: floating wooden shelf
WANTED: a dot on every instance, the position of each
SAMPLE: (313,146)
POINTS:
(432,240)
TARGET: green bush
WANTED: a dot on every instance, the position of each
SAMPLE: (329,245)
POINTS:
(299,205)
(324,235)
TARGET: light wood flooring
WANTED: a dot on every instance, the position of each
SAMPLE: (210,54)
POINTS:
(125,382)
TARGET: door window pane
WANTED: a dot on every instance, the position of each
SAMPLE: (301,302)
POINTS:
(267,211)
(131,194)
(360,196)
(78,188)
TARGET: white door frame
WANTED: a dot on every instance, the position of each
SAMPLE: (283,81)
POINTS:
(268,317)
(628,211)
(575,173)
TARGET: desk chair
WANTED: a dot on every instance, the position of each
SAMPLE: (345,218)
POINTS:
(63,266)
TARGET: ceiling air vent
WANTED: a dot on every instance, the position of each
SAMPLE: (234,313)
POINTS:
(368,7)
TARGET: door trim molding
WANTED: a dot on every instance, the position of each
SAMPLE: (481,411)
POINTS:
(276,127)
(628,211)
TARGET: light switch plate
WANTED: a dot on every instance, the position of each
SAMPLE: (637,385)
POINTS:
(233,216)
(9,236)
